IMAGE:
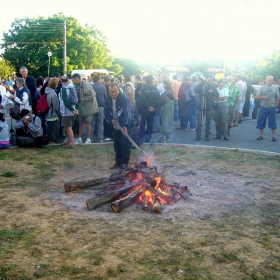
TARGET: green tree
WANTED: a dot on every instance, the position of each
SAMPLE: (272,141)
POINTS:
(29,40)
(6,69)
(130,67)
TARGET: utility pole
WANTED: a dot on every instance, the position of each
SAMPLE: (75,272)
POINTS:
(64,49)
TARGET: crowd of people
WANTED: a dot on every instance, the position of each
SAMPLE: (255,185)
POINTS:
(47,109)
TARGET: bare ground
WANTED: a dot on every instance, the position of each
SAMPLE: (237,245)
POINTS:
(225,227)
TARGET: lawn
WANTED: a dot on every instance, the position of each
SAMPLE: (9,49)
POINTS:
(227,226)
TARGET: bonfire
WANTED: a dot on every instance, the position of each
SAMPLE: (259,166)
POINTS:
(141,183)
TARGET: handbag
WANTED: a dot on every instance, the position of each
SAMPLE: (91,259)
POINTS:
(14,111)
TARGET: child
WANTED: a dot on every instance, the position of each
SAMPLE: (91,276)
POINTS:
(4,133)
(167,116)
(251,107)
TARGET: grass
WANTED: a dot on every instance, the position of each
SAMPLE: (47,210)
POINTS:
(42,237)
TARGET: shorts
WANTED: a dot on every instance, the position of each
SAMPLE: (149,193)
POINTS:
(67,121)
(265,113)
(241,105)
(85,118)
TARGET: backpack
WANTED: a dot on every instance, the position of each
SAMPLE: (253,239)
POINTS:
(42,106)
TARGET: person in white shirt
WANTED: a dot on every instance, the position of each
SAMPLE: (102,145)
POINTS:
(221,111)
(4,100)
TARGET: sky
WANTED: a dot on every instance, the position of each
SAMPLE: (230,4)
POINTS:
(168,32)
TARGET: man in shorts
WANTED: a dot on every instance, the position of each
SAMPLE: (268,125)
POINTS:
(67,110)
(88,105)
(269,97)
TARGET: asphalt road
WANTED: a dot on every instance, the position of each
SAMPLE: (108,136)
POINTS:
(244,136)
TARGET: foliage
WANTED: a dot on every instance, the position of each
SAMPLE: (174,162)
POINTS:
(6,69)
(29,40)
(130,67)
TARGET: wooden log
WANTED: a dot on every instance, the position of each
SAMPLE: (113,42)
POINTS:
(111,186)
(79,185)
(127,200)
(157,207)
(144,203)
(98,201)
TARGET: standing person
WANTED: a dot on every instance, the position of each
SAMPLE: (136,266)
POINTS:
(138,82)
(205,96)
(67,110)
(4,100)
(87,107)
(39,84)
(9,82)
(98,117)
(167,116)
(232,101)
(182,104)
(129,91)
(22,95)
(148,104)
(53,114)
(192,104)
(118,111)
(31,85)
(269,97)
(240,104)
(176,86)
(221,111)
(4,133)
(108,127)
(251,107)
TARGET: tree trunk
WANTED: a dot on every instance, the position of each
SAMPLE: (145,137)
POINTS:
(127,200)
(79,185)
(98,201)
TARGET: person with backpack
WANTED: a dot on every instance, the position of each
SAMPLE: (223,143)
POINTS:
(68,100)
(87,107)
(53,111)
(29,130)
(22,97)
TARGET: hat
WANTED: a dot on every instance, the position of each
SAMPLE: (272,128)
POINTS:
(24,112)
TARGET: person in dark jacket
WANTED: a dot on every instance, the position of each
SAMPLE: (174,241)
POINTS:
(148,103)
(118,111)
(31,84)
(205,94)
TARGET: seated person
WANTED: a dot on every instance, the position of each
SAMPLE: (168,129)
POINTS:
(4,133)
(29,130)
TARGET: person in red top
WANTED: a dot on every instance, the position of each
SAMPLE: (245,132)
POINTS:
(182,104)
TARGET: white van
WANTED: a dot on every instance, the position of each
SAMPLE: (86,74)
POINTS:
(85,73)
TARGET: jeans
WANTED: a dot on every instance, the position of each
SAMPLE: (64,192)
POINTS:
(98,118)
(146,126)
(221,119)
(175,110)
(191,115)
(182,106)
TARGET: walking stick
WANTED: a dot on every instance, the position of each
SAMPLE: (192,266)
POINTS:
(202,109)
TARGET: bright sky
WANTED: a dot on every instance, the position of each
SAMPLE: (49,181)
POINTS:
(168,31)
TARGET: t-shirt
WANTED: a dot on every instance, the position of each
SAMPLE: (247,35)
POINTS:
(114,107)
(272,93)
(222,93)
(234,92)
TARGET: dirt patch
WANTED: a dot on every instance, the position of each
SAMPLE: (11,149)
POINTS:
(225,227)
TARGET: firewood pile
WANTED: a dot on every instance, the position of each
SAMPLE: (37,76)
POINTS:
(141,184)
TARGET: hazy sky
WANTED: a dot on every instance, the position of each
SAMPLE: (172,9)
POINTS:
(168,31)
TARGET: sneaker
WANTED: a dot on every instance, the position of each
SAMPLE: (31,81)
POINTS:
(193,129)
(88,141)
(76,141)
(80,141)
(124,166)
(107,139)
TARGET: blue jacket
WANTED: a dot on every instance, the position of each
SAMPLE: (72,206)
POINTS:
(124,110)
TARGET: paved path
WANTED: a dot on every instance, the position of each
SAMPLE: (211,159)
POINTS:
(244,136)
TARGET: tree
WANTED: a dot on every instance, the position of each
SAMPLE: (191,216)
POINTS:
(130,67)
(29,40)
(6,69)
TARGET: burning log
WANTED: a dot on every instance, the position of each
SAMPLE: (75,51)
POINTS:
(145,203)
(157,207)
(79,185)
(98,201)
(127,200)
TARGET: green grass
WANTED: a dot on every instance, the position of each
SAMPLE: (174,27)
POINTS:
(8,174)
